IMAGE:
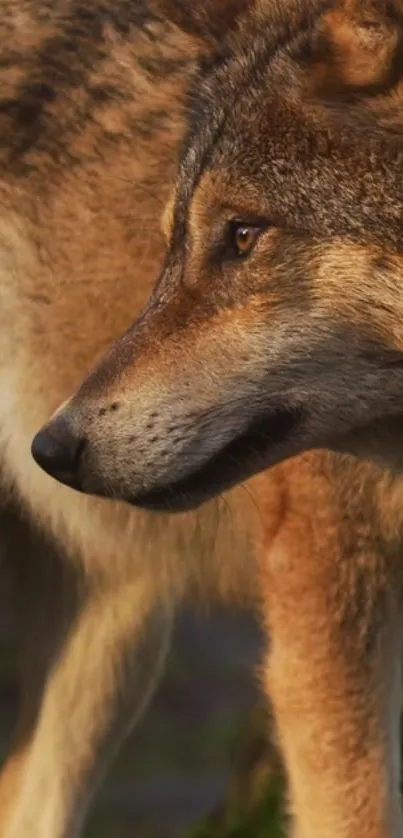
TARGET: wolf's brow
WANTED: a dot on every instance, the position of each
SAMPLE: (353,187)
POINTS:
(214,94)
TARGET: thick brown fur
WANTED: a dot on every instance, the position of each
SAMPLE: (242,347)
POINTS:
(92,114)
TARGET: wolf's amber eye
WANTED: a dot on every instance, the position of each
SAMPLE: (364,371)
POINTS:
(243,237)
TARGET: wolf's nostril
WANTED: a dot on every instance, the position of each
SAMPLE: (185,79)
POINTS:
(58,451)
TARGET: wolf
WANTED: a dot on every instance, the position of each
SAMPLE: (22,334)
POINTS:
(267,100)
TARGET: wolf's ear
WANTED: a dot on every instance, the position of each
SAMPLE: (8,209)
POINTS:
(207,20)
(361,44)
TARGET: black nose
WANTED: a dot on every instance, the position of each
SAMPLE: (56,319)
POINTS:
(58,451)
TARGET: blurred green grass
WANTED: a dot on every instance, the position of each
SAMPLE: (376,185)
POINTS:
(266,820)
(254,804)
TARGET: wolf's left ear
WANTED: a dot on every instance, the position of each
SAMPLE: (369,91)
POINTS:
(362,44)
(207,20)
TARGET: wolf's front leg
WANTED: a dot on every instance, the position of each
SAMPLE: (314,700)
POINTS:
(333,673)
(90,662)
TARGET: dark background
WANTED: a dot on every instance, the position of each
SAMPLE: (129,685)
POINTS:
(177,775)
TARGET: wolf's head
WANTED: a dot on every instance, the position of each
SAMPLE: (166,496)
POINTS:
(277,322)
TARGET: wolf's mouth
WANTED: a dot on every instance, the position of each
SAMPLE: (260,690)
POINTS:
(244,456)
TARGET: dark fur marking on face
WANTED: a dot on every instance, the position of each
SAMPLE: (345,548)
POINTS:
(44,299)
